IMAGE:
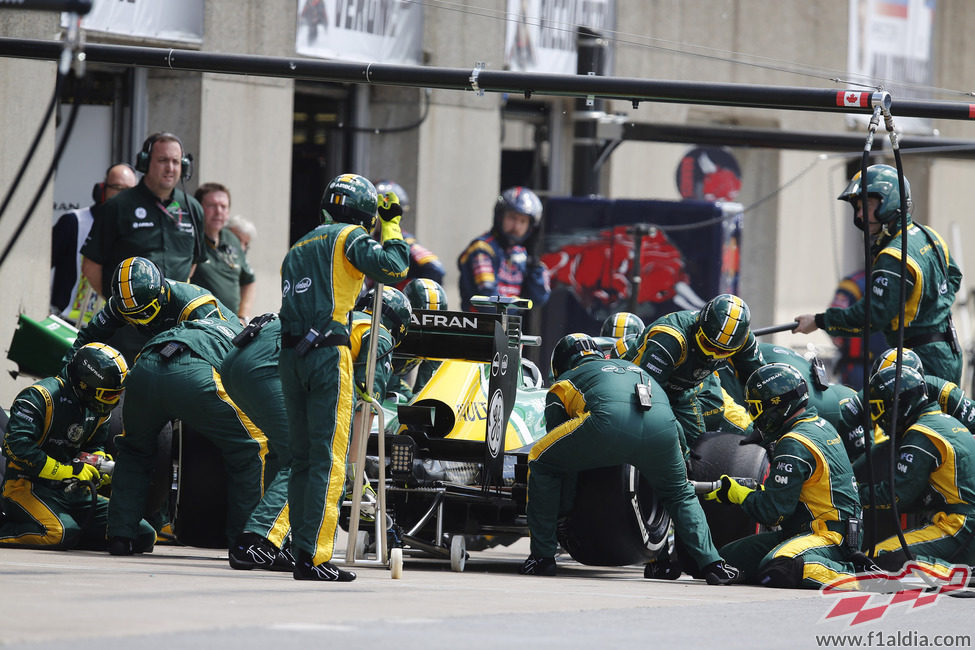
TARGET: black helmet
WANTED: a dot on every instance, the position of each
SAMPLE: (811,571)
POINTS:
(384,187)
(396,312)
(889,359)
(620,324)
(881,183)
(722,326)
(521,200)
(139,290)
(774,394)
(913,397)
(571,350)
(96,373)
(350,198)
(424,293)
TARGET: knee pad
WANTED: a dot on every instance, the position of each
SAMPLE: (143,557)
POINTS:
(782,573)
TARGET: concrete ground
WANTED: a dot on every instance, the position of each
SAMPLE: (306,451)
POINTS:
(187,598)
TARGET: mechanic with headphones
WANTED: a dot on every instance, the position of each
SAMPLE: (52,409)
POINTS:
(505,261)
(68,286)
(932,279)
(321,277)
(154,219)
(602,412)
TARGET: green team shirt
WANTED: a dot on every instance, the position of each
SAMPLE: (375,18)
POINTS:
(136,223)
(810,478)
(225,269)
(929,293)
(322,274)
(185,302)
(360,331)
(208,338)
(47,419)
(935,467)
(666,349)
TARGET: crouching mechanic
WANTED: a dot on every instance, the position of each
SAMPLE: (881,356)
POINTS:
(681,351)
(422,293)
(143,298)
(603,412)
(321,276)
(810,493)
(935,473)
(49,492)
(175,377)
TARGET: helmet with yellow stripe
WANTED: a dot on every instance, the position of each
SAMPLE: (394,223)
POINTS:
(424,293)
(888,359)
(350,198)
(139,290)
(571,350)
(620,324)
(722,326)
(96,373)
(775,394)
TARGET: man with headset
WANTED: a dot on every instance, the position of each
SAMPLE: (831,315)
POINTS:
(154,219)
(68,285)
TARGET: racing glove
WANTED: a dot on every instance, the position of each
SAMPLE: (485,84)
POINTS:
(55,471)
(731,491)
(390,212)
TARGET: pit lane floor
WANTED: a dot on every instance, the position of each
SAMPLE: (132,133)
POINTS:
(189,598)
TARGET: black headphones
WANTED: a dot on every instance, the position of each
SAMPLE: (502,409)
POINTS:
(143,157)
(98,189)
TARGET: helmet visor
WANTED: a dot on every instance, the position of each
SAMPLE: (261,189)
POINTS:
(709,348)
(141,315)
(877,409)
(755,408)
(108,396)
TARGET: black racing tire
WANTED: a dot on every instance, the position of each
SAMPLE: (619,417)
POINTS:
(616,520)
(3,430)
(201,498)
(719,453)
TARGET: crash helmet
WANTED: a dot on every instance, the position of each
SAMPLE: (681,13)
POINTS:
(96,372)
(424,293)
(881,183)
(385,187)
(517,199)
(621,324)
(722,326)
(623,346)
(888,359)
(396,313)
(913,398)
(139,290)
(774,394)
(350,198)
(572,350)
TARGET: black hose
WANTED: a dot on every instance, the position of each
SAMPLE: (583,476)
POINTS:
(50,172)
(33,146)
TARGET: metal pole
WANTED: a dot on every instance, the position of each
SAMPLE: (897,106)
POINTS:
(480,80)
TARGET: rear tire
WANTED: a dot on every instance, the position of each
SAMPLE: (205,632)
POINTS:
(720,454)
(201,501)
(616,519)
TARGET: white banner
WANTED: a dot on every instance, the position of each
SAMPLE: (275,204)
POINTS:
(890,43)
(382,31)
(165,20)
(541,34)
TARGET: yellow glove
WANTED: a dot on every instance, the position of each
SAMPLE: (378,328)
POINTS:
(390,212)
(56,471)
(731,491)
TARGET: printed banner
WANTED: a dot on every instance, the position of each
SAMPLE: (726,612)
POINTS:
(890,43)
(383,31)
(165,20)
(541,34)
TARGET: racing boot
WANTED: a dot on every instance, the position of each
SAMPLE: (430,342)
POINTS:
(538,566)
(253,551)
(324,572)
(722,573)
(662,569)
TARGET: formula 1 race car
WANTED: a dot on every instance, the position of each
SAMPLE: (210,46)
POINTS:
(458,456)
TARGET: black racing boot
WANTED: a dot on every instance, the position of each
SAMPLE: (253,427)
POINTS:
(538,566)
(253,551)
(324,572)
(662,570)
(722,573)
